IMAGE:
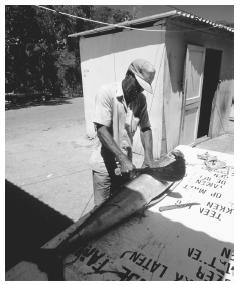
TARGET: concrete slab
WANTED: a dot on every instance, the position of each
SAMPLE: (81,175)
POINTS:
(47,154)
(224,143)
(179,238)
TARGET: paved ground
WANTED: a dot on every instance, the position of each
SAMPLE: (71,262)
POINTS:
(47,153)
(224,142)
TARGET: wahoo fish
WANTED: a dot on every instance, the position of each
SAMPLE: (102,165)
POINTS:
(135,196)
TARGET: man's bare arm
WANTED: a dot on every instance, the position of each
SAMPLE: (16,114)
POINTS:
(108,142)
(147,143)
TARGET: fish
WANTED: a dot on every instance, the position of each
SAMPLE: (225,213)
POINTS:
(134,197)
(174,171)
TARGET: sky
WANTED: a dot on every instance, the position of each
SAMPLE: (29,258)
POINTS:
(212,12)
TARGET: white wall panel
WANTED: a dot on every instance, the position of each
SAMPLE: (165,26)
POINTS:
(150,46)
(97,65)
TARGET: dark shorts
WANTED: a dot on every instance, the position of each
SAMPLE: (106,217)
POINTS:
(105,186)
(105,182)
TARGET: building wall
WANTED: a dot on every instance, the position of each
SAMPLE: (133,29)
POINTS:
(106,59)
(173,80)
(177,37)
(225,92)
(97,66)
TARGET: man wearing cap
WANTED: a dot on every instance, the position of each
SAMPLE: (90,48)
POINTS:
(119,109)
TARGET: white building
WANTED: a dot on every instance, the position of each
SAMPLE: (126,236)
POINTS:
(193,86)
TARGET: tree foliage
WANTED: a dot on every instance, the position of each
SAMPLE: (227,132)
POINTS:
(39,55)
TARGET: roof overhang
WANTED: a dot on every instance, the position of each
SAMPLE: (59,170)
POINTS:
(133,23)
(149,21)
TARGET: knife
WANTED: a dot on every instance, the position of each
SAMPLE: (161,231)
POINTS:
(172,207)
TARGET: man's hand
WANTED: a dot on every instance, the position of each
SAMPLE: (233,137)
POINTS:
(149,163)
(126,166)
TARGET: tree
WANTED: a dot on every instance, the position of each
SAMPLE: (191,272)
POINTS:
(109,15)
(37,43)
(30,51)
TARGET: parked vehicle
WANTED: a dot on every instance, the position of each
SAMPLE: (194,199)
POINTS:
(21,98)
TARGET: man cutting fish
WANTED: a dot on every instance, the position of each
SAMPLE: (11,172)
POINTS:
(120,108)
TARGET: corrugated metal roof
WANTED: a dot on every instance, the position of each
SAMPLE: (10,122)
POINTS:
(203,20)
(154,18)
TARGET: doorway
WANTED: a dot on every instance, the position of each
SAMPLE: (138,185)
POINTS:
(193,80)
(210,82)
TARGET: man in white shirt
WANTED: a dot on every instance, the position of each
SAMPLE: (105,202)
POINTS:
(119,109)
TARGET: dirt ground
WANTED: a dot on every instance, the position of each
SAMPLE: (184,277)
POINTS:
(49,180)
(47,153)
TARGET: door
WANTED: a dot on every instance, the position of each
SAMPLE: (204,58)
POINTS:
(210,84)
(193,79)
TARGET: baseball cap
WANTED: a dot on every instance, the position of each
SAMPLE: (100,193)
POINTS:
(144,73)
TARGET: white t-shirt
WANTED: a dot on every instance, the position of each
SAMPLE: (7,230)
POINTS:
(112,111)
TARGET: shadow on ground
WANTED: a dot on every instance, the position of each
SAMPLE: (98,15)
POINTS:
(29,224)
(123,251)
(52,102)
(177,252)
